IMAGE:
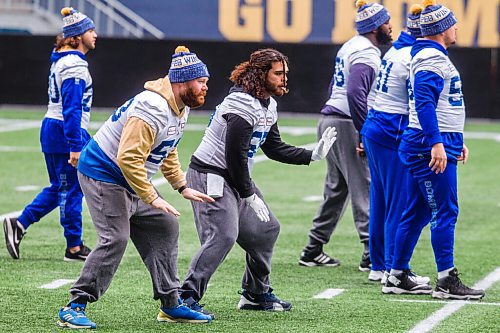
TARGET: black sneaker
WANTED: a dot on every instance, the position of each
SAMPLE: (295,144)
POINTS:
(81,255)
(14,233)
(262,302)
(195,306)
(451,287)
(404,284)
(310,259)
(365,265)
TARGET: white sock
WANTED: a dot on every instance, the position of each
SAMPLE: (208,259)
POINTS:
(395,271)
(445,273)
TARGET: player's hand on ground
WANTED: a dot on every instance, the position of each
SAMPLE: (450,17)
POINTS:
(325,143)
(360,150)
(464,157)
(165,206)
(258,206)
(73,158)
(190,194)
(439,159)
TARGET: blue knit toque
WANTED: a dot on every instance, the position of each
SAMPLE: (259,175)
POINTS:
(436,19)
(413,21)
(370,16)
(186,66)
(75,23)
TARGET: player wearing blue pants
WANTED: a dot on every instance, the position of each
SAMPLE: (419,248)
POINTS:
(381,134)
(63,135)
(430,148)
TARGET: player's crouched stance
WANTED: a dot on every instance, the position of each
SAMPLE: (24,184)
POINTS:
(243,123)
(115,172)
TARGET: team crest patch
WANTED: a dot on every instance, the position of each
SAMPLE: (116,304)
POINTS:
(172,130)
(262,121)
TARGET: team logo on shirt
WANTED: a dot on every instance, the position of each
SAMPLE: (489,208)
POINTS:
(172,130)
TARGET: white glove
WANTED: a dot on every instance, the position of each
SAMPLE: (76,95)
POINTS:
(323,147)
(258,206)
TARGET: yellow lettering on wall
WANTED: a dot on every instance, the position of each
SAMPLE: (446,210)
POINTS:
(479,14)
(344,26)
(300,24)
(252,14)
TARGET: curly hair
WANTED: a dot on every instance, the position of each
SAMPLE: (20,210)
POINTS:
(72,42)
(251,75)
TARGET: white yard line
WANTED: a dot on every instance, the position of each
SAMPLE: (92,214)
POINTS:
(56,284)
(328,293)
(437,317)
(11,125)
(443,302)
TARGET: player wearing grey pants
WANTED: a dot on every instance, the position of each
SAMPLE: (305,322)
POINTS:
(220,225)
(221,166)
(347,176)
(352,92)
(153,232)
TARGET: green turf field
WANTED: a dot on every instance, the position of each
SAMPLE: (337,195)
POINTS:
(128,304)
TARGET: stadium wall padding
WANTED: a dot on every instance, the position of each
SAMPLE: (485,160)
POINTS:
(119,68)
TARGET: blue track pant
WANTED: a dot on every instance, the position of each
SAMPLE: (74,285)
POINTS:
(387,201)
(431,199)
(64,191)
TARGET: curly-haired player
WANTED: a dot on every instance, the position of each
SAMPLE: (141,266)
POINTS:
(244,122)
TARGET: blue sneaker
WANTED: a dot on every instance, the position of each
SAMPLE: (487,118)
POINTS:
(262,302)
(74,317)
(194,305)
(182,314)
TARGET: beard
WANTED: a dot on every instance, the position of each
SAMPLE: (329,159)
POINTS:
(274,90)
(383,38)
(193,100)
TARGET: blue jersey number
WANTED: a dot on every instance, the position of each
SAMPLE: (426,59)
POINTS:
(87,100)
(339,75)
(160,152)
(411,95)
(121,110)
(383,76)
(53,89)
(456,97)
(256,141)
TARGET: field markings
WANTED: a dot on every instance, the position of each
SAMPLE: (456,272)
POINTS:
(444,302)
(438,316)
(56,284)
(329,293)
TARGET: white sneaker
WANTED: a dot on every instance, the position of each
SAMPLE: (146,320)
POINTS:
(375,275)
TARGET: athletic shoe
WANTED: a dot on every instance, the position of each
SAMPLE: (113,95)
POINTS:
(14,233)
(365,265)
(74,317)
(182,314)
(262,302)
(417,278)
(451,287)
(81,255)
(403,284)
(376,275)
(194,305)
(384,278)
(310,259)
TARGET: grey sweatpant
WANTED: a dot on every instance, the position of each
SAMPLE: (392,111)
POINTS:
(119,215)
(347,174)
(220,225)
